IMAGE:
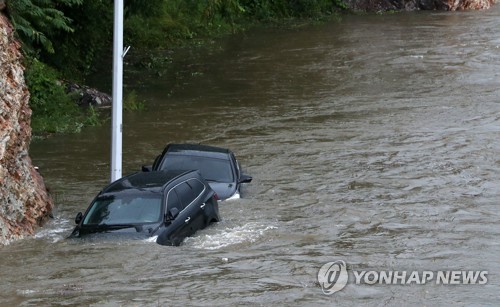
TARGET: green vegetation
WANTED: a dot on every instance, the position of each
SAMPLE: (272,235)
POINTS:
(75,36)
(36,20)
(131,102)
(176,21)
(54,110)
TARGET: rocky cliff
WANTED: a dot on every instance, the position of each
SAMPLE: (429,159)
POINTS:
(413,5)
(24,201)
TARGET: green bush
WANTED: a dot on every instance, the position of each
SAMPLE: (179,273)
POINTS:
(270,10)
(131,102)
(77,53)
(54,111)
(37,21)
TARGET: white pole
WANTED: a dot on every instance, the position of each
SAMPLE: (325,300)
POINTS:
(116,125)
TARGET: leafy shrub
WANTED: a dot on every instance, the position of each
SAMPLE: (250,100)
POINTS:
(36,21)
(53,110)
(77,53)
(131,102)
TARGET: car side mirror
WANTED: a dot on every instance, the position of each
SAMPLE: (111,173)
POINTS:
(172,214)
(147,168)
(78,218)
(245,179)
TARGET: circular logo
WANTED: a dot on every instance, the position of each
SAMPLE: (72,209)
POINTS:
(333,276)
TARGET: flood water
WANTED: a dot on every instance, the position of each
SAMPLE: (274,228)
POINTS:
(373,140)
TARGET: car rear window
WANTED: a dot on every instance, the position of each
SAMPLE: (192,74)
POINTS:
(211,169)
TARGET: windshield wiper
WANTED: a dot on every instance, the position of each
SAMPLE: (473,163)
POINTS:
(216,180)
(115,226)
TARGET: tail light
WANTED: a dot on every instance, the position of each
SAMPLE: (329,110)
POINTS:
(216,196)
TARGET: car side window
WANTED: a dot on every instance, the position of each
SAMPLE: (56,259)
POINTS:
(188,191)
(186,195)
(197,186)
(173,201)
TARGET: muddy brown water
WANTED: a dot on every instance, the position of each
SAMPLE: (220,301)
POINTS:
(373,140)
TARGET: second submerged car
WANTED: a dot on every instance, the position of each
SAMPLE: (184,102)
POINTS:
(216,164)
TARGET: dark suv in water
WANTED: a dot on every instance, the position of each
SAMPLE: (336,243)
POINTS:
(217,165)
(169,205)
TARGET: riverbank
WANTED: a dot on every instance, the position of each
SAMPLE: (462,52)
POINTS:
(416,5)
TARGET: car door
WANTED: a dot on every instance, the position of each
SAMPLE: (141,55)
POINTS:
(237,171)
(199,205)
(193,204)
(183,199)
(178,229)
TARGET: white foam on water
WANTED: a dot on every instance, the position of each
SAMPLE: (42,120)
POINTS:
(233,197)
(220,238)
(55,231)
(26,292)
(151,239)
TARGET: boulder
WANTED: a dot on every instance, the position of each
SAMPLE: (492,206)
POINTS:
(87,96)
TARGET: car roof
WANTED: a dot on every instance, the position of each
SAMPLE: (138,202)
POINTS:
(152,181)
(198,150)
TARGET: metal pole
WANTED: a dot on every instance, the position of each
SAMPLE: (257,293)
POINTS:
(116,125)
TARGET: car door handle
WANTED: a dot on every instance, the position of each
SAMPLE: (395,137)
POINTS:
(187,220)
(203,205)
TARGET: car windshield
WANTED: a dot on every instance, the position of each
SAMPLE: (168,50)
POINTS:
(212,169)
(124,210)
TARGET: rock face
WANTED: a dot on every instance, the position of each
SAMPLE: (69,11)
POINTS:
(412,5)
(24,201)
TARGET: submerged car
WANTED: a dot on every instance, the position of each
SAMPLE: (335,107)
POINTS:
(217,165)
(169,205)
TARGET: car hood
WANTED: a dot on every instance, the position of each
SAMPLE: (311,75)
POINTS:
(223,189)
